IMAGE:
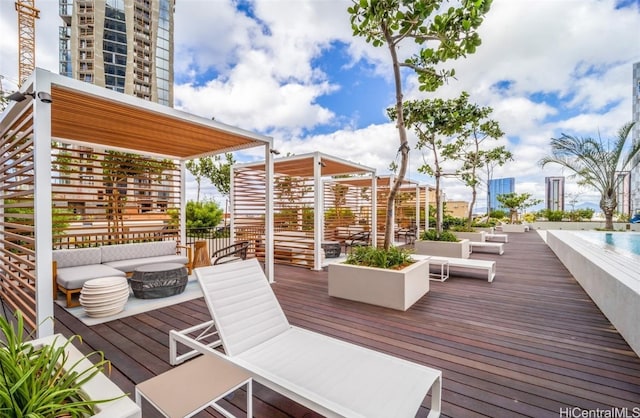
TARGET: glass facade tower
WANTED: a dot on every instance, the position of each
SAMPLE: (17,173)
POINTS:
(123,45)
(634,177)
(498,187)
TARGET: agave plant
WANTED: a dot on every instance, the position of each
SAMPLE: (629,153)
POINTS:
(40,381)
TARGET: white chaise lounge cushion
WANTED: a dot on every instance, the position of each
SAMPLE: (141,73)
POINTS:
(344,377)
(245,315)
(333,377)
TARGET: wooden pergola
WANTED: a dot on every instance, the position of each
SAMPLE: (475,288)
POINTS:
(59,109)
(302,196)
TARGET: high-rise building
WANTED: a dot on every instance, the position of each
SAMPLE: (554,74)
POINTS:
(635,135)
(554,193)
(123,45)
(498,187)
(623,192)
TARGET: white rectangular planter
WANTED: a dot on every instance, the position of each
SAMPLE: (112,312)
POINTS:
(460,249)
(396,289)
(471,236)
(99,387)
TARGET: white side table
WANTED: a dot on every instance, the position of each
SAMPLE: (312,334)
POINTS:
(193,386)
(443,274)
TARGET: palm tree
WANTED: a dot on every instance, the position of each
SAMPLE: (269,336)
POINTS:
(596,163)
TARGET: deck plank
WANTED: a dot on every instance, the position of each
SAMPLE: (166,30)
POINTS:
(528,344)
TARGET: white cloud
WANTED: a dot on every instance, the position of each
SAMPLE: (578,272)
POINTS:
(567,64)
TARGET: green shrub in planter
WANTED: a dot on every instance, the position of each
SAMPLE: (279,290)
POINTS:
(432,235)
(38,381)
(394,258)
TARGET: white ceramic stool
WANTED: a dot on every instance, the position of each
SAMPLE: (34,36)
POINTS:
(104,296)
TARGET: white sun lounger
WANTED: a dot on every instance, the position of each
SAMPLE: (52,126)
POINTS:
(464,266)
(486,247)
(497,237)
(327,375)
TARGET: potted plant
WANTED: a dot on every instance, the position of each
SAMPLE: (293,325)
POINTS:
(389,278)
(49,377)
(470,233)
(445,244)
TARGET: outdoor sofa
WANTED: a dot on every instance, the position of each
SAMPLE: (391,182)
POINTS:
(73,267)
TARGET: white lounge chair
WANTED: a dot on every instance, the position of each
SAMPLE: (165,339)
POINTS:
(462,266)
(327,375)
(486,247)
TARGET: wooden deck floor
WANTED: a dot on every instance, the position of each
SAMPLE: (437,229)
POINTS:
(529,344)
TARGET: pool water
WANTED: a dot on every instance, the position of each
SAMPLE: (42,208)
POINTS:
(627,243)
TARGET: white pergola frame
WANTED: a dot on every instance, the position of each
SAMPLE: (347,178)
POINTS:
(85,114)
(318,166)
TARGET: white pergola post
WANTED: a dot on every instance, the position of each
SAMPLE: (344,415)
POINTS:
(417,210)
(268,218)
(374,209)
(183,202)
(42,210)
(318,212)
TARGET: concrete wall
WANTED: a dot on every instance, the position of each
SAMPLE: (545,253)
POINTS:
(586,226)
(610,280)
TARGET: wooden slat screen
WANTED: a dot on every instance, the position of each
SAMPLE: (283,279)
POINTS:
(105,197)
(17,231)
(347,209)
(249,207)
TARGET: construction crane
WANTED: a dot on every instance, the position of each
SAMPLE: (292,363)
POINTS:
(27,15)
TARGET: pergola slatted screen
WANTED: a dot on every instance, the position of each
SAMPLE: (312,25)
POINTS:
(344,206)
(106,198)
(347,208)
(404,209)
(17,249)
(249,207)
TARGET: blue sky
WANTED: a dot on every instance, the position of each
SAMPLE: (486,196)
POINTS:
(291,69)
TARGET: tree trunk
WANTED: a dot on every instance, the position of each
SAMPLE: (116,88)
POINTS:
(608,204)
(404,143)
(473,202)
(438,207)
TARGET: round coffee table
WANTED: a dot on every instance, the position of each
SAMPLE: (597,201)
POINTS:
(104,296)
(158,280)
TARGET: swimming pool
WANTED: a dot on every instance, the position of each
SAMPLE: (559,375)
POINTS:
(625,243)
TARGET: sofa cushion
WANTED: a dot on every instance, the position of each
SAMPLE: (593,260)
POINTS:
(77,257)
(140,250)
(130,265)
(74,277)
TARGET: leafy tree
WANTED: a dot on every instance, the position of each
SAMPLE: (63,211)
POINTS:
(117,168)
(435,122)
(200,169)
(596,163)
(473,127)
(516,202)
(202,215)
(220,173)
(450,34)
